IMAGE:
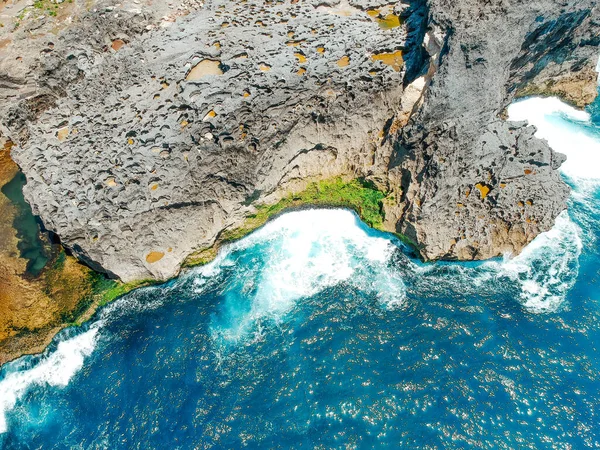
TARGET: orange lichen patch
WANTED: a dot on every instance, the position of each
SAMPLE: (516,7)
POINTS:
(209,115)
(62,133)
(388,22)
(4,43)
(117,44)
(247,94)
(529,202)
(264,67)
(528,171)
(396,126)
(224,24)
(483,189)
(459,205)
(291,34)
(502,185)
(184,123)
(321,50)
(204,68)
(130,141)
(170,249)
(154,187)
(156,96)
(373,12)
(164,85)
(520,204)
(110,182)
(344,61)
(153,257)
(301,71)
(301,58)
(393,59)
(217,45)
(467,193)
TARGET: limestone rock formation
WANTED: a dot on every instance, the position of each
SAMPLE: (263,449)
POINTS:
(143,139)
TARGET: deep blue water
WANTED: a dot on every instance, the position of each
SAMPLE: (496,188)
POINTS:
(317,332)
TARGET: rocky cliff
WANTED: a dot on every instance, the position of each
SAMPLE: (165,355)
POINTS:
(143,139)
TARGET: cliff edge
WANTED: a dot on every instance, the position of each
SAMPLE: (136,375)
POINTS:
(145,139)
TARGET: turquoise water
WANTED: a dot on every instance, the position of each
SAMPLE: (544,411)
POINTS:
(317,332)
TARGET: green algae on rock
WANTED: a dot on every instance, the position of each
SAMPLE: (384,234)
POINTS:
(357,194)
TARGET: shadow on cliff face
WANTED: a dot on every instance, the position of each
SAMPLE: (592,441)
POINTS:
(557,58)
(416,58)
(551,42)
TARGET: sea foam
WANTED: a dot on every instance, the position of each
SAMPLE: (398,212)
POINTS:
(547,268)
(53,369)
(306,252)
(567,130)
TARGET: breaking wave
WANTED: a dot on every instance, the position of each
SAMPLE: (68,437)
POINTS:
(301,254)
(53,368)
(568,131)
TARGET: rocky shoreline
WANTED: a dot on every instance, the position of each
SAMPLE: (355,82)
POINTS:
(151,132)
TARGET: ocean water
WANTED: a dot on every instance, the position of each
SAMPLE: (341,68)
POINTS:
(318,332)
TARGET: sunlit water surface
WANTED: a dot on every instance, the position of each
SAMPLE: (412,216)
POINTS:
(317,332)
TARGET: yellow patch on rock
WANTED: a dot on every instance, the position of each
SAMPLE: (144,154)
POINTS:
(301,58)
(117,44)
(483,189)
(388,22)
(321,50)
(110,182)
(153,257)
(344,61)
(393,59)
(301,71)
(264,67)
(209,115)
(204,68)
(62,133)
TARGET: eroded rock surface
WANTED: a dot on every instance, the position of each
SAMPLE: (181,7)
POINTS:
(143,141)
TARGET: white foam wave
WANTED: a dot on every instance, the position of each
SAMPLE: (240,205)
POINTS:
(547,268)
(567,130)
(309,251)
(541,275)
(54,369)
